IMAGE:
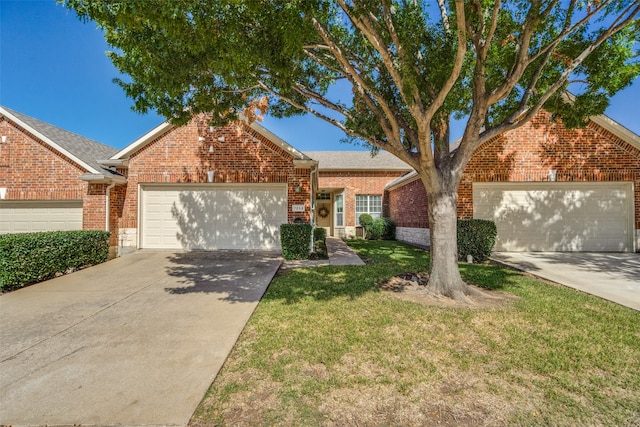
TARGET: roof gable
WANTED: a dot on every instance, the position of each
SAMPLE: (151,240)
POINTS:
(83,151)
(165,127)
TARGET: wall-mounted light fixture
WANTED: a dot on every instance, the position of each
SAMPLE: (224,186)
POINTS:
(4,139)
(552,175)
(211,149)
(210,176)
(3,191)
(211,129)
(297,188)
(221,139)
(201,138)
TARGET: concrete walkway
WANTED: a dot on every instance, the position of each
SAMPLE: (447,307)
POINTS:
(134,341)
(612,276)
(341,254)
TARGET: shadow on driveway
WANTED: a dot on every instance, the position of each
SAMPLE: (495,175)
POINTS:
(134,341)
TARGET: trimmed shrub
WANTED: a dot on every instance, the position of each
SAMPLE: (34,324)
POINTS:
(376,229)
(365,220)
(476,237)
(389,229)
(381,228)
(319,234)
(34,257)
(296,240)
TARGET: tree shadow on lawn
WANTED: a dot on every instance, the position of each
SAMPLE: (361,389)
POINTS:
(383,260)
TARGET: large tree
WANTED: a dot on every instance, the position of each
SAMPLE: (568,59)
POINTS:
(409,65)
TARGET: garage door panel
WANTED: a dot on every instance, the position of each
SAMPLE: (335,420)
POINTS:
(557,216)
(213,217)
(34,216)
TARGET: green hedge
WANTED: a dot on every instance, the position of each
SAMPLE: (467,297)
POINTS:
(319,234)
(33,257)
(476,237)
(296,240)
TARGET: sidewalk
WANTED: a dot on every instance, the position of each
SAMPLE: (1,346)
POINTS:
(339,254)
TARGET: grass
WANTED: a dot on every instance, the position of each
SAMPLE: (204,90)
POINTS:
(327,347)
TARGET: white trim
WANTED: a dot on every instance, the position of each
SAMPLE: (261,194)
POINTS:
(48,141)
(278,141)
(144,140)
(402,181)
(617,129)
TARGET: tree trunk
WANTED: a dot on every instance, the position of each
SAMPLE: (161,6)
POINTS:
(444,275)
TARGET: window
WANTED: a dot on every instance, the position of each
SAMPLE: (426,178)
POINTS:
(339,205)
(323,196)
(368,204)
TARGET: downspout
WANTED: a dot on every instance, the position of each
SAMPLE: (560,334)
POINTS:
(108,205)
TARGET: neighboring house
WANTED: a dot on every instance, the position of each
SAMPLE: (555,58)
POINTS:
(47,175)
(351,183)
(546,187)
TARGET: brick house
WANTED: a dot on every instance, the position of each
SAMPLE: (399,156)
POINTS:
(351,183)
(546,187)
(43,171)
(199,187)
(188,187)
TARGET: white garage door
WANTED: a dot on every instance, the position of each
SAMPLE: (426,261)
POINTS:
(32,216)
(212,216)
(558,216)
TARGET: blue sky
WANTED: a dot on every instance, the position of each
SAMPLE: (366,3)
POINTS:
(53,67)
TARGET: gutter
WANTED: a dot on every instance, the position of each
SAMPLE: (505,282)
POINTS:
(108,204)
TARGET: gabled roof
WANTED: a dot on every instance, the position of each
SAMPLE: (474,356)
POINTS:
(605,122)
(358,160)
(149,137)
(83,151)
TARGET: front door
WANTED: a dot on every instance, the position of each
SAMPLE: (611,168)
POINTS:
(324,211)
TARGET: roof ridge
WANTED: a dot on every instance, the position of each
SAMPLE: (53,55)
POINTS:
(20,115)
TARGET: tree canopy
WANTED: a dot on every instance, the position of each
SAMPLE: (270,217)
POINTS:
(409,65)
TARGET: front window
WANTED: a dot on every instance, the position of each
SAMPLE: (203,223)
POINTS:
(339,204)
(368,204)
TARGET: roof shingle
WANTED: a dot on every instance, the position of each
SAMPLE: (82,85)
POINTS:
(85,149)
(357,160)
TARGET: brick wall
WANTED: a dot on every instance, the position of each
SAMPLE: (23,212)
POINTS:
(32,170)
(356,182)
(178,156)
(527,154)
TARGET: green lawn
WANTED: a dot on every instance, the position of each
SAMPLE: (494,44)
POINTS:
(327,347)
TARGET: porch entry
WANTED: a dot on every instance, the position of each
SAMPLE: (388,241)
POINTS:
(329,211)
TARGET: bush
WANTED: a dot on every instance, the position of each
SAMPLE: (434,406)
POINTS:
(365,220)
(389,229)
(319,234)
(476,237)
(381,228)
(34,257)
(296,240)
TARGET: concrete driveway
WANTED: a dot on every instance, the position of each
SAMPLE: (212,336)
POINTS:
(612,276)
(134,341)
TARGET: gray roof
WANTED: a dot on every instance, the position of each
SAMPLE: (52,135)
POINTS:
(85,149)
(357,160)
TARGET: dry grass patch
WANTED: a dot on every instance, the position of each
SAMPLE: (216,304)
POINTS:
(328,346)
